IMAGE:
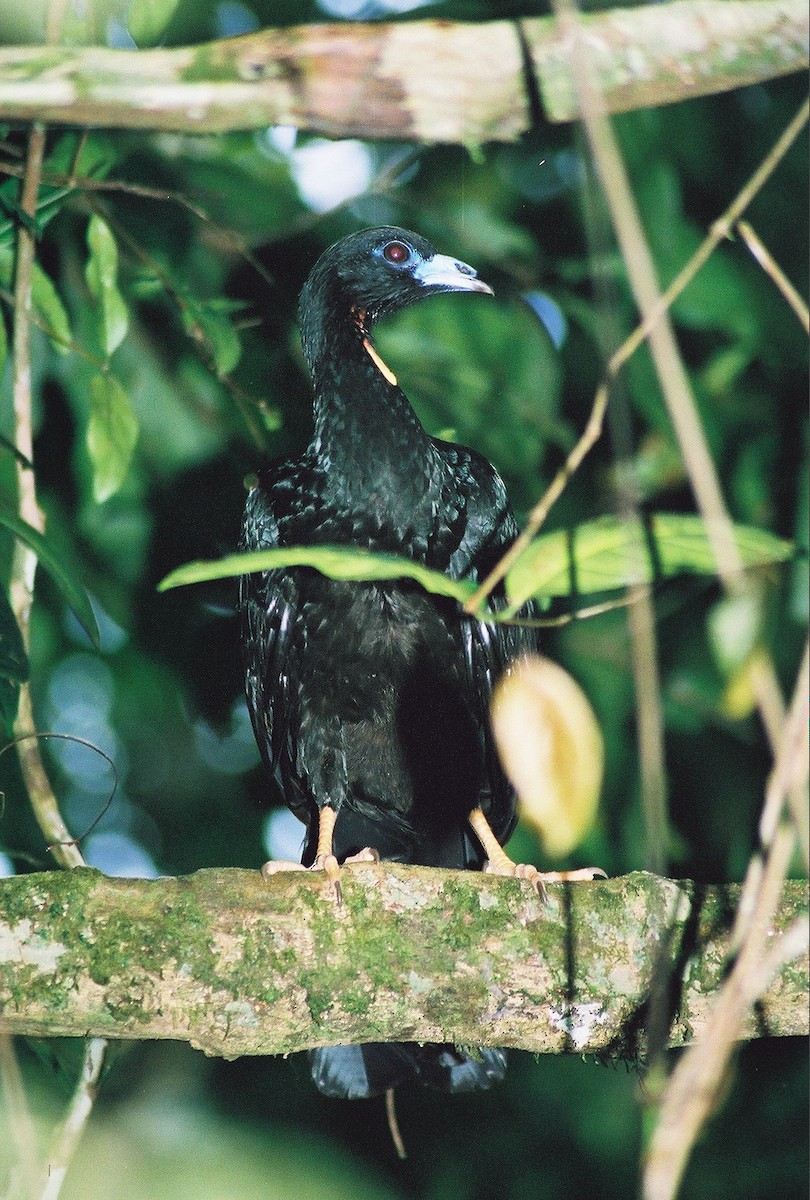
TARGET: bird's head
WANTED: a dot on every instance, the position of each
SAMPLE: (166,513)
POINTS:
(375,272)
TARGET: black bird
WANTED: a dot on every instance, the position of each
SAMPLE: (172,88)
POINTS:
(370,701)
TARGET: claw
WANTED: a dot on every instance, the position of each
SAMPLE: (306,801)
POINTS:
(582,873)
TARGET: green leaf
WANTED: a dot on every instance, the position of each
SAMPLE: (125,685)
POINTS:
(65,580)
(338,562)
(49,201)
(46,300)
(49,306)
(148,20)
(3,343)
(215,330)
(101,274)
(111,435)
(608,554)
(82,154)
(734,627)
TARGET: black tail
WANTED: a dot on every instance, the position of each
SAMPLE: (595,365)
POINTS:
(357,1072)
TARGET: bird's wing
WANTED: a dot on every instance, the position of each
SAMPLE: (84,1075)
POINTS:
(488,648)
(269,604)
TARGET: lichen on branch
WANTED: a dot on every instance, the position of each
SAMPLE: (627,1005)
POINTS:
(235,964)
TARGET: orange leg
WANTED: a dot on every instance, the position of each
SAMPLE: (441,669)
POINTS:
(499,863)
(325,859)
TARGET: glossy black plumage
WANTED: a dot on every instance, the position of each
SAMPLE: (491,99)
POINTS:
(373,699)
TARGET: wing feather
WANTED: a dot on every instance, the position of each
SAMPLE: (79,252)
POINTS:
(489,648)
(269,606)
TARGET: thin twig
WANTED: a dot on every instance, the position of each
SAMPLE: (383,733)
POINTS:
(44,735)
(693,1088)
(720,229)
(60,842)
(649,730)
(21,589)
(22,581)
(229,237)
(72,1128)
(580,614)
(771,267)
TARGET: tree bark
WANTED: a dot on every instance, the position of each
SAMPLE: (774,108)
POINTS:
(422,81)
(238,965)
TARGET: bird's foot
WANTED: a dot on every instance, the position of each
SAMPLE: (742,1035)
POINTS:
(331,867)
(502,865)
(499,863)
(323,862)
(326,862)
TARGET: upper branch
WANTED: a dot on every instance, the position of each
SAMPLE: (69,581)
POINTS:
(424,81)
(238,965)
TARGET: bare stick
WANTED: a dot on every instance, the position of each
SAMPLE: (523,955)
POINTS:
(21,590)
(771,267)
(41,794)
(72,1128)
(697,1080)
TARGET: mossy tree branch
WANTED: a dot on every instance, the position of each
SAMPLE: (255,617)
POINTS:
(424,81)
(237,965)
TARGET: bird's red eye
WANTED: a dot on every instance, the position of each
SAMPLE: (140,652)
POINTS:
(396,252)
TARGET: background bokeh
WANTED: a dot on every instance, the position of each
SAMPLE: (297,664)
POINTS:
(213,370)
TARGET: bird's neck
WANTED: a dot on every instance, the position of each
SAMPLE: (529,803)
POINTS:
(365,428)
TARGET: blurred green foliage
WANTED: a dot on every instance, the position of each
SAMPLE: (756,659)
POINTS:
(166,365)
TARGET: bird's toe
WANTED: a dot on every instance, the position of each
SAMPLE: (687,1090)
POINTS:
(578,876)
(366,855)
(276,866)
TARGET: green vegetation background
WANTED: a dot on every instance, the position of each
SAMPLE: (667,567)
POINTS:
(211,351)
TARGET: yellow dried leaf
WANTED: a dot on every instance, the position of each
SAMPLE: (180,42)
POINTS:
(551,748)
